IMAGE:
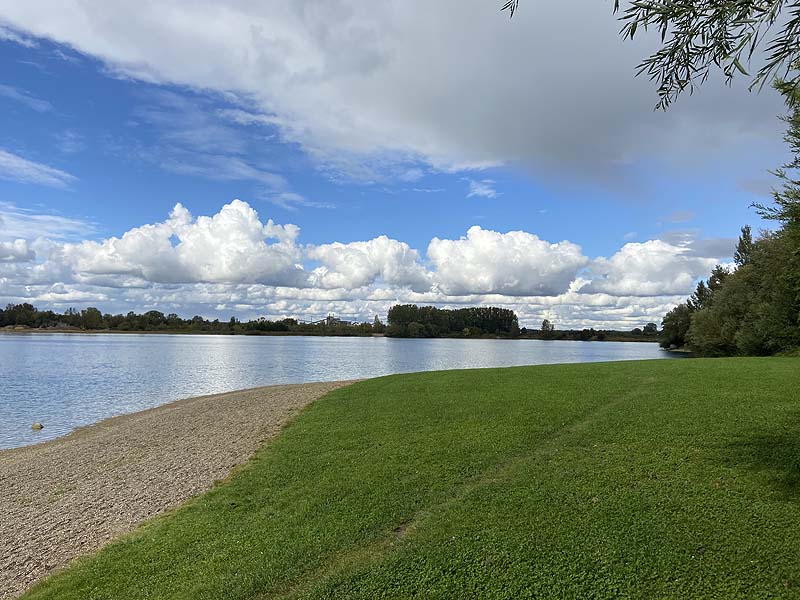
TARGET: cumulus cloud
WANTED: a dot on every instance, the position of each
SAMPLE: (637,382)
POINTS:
(515,263)
(359,264)
(233,262)
(365,86)
(229,247)
(16,251)
(17,168)
(649,268)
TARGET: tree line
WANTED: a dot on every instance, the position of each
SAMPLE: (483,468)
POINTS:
(751,310)
(92,319)
(410,320)
(548,331)
(406,320)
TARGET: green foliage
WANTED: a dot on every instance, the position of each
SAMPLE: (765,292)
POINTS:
(410,320)
(653,479)
(589,334)
(754,310)
(744,248)
(700,36)
(27,315)
(701,297)
(675,326)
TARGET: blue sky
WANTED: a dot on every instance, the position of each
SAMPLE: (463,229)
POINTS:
(353,137)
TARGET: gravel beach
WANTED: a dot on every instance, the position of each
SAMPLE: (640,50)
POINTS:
(67,497)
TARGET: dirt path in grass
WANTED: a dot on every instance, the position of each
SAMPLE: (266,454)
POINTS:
(67,497)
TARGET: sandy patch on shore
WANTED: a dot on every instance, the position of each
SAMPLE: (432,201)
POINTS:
(69,496)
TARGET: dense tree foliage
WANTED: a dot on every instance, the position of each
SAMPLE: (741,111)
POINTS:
(699,36)
(410,320)
(91,319)
(754,310)
(590,334)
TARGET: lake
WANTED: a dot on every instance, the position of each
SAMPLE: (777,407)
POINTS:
(69,380)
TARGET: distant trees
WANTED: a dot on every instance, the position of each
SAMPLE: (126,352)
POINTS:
(547,329)
(410,320)
(378,326)
(91,319)
(589,334)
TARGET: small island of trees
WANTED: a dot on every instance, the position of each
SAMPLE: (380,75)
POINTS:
(410,320)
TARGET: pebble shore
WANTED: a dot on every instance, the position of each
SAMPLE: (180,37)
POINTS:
(68,497)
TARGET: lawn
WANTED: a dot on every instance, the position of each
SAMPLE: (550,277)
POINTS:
(652,479)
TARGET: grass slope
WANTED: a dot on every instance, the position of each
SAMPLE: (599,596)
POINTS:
(619,480)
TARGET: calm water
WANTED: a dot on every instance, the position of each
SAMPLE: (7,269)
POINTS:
(68,380)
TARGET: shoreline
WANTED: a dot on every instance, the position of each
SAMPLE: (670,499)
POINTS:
(69,496)
(37,331)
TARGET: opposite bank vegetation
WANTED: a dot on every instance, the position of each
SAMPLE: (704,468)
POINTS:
(407,320)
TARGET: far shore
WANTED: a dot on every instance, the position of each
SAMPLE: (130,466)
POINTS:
(24,330)
(76,331)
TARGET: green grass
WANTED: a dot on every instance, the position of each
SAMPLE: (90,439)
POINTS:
(659,479)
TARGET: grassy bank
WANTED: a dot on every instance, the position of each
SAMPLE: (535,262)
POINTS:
(641,479)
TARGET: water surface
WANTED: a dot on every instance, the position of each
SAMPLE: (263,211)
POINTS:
(68,380)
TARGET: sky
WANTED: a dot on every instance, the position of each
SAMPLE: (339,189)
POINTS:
(318,157)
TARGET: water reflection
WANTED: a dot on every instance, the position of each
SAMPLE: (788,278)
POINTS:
(69,380)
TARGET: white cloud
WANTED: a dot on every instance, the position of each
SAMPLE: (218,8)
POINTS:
(360,264)
(16,168)
(16,251)
(23,97)
(9,35)
(483,188)
(370,88)
(230,247)
(515,263)
(232,262)
(292,201)
(193,138)
(16,223)
(649,268)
